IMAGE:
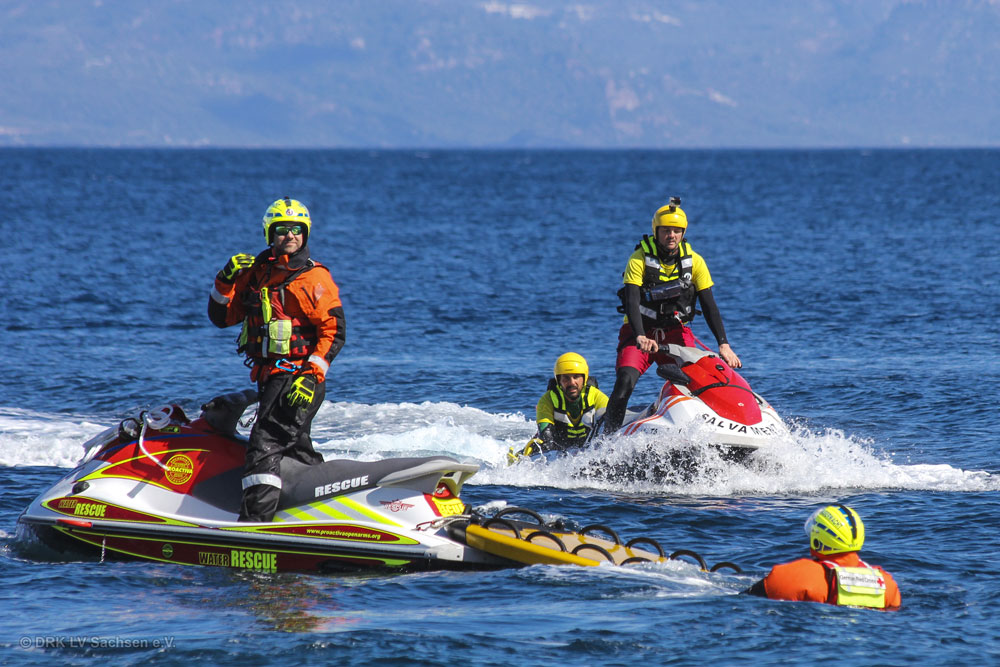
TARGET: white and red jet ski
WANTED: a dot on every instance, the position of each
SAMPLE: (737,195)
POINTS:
(703,400)
(162,487)
(703,405)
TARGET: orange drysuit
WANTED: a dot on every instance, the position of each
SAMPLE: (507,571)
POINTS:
(807,579)
(301,291)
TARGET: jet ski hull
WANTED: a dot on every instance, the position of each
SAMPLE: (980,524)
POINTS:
(253,550)
(703,400)
(172,494)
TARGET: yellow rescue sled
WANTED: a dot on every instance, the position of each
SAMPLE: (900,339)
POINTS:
(535,542)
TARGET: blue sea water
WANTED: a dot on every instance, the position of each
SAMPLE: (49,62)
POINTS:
(859,287)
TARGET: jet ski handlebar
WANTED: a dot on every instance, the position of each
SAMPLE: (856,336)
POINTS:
(223,412)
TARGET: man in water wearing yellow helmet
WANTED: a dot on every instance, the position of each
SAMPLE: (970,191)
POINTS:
(834,574)
(568,411)
(663,279)
(293,327)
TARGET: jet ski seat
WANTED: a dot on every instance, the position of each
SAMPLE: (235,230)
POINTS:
(303,483)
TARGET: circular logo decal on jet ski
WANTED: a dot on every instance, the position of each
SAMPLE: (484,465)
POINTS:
(168,550)
(179,469)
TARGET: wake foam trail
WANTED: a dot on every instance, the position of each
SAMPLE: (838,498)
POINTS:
(803,462)
(29,438)
(384,430)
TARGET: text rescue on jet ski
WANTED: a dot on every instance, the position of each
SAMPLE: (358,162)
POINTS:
(346,484)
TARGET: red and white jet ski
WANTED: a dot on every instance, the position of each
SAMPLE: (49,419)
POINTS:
(703,400)
(164,488)
(703,405)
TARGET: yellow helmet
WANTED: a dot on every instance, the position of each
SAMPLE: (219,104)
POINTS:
(287,210)
(571,363)
(835,529)
(671,215)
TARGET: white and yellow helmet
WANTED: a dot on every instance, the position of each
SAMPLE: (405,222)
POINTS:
(835,529)
(290,211)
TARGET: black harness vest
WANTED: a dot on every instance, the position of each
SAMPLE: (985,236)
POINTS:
(667,295)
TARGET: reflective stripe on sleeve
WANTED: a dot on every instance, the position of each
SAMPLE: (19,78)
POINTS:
(319,361)
(265,479)
(218,298)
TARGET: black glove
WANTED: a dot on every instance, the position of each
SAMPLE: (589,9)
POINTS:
(237,264)
(303,391)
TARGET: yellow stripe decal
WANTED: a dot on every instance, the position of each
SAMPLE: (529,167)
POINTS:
(361,509)
(299,514)
(324,507)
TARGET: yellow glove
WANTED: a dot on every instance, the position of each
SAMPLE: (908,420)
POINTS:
(237,264)
(303,392)
(533,447)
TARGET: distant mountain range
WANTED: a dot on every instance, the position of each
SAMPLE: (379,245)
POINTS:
(538,73)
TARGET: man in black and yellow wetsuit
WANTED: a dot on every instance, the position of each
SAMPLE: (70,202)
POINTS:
(568,412)
(663,280)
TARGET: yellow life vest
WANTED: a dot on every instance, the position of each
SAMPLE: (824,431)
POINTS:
(568,428)
(667,295)
(856,586)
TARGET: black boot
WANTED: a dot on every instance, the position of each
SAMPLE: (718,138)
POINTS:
(260,502)
(625,381)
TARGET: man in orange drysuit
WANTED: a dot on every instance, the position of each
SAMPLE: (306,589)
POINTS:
(293,327)
(834,574)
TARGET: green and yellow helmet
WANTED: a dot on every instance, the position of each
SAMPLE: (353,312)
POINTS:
(290,211)
(571,363)
(835,529)
(670,215)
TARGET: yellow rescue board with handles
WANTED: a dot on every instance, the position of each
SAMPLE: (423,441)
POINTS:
(542,549)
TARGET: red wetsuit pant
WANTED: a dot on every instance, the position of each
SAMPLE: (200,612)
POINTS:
(631,356)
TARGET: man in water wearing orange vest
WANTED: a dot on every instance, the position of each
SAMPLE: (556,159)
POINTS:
(834,574)
(293,327)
